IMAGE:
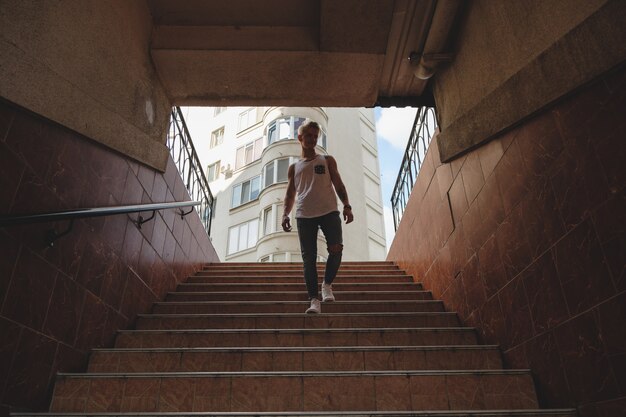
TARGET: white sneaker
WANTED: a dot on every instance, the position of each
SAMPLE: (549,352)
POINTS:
(327,293)
(315,307)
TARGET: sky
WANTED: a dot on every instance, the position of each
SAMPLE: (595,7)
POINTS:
(393,126)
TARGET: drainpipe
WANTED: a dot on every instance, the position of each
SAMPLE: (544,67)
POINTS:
(434,53)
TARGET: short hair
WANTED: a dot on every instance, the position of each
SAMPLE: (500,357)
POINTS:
(307,124)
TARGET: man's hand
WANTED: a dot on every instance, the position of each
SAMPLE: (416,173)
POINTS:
(286,223)
(347,214)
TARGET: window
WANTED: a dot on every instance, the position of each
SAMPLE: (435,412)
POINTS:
(279,217)
(246,191)
(268,174)
(213,171)
(218,110)
(275,257)
(279,257)
(287,128)
(243,236)
(248,153)
(217,137)
(321,141)
(283,129)
(276,171)
(247,119)
(267,221)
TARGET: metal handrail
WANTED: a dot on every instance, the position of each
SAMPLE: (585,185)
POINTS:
(52,235)
(90,212)
(188,164)
(186,159)
(422,132)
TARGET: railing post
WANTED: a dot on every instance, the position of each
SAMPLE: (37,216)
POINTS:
(421,133)
(189,166)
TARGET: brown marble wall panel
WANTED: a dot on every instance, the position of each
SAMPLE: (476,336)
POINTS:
(57,303)
(536,258)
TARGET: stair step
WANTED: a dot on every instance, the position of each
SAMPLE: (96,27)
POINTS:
(296,278)
(295,295)
(296,320)
(296,337)
(298,265)
(255,359)
(365,413)
(295,391)
(224,307)
(234,340)
(297,286)
(296,272)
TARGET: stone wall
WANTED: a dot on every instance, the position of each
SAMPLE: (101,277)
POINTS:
(525,238)
(87,65)
(514,59)
(57,303)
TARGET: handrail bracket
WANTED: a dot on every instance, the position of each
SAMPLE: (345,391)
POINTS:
(140,220)
(51,234)
(183,213)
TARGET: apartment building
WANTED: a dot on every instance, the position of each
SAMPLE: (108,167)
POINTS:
(246,152)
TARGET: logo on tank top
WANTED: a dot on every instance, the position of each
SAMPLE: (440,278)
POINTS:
(320,169)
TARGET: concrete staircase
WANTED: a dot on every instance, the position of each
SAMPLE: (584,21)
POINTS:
(234,340)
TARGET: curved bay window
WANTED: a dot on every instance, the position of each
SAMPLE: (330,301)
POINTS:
(276,171)
(286,128)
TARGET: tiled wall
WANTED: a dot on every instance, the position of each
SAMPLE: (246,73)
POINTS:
(524,237)
(57,303)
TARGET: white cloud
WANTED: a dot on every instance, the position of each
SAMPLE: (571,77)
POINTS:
(394,125)
(388,181)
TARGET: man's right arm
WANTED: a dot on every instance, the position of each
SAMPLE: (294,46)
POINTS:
(290,198)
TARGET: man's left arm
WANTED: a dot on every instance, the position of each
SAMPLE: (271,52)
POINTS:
(340,188)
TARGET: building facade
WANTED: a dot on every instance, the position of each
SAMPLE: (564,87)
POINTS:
(246,152)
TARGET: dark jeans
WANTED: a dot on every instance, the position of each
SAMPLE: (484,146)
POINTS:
(307,232)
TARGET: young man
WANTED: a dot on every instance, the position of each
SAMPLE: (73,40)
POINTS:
(310,186)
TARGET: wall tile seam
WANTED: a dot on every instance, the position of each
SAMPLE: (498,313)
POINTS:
(41,334)
(571,391)
(592,310)
(10,277)
(566,235)
(9,125)
(142,282)
(601,244)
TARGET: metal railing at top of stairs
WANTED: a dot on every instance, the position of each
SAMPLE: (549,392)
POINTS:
(186,159)
(422,132)
(52,235)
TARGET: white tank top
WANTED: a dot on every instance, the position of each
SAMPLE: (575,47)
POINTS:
(315,193)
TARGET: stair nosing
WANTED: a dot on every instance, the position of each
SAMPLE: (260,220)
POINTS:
(298,330)
(292,292)
(300,269)
(291,302)
(322,266)
(299,274)
(394,314)
(268,374)
(300,285)
(373,413)
(302,348)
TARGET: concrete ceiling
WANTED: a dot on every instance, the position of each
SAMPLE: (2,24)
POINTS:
(290,52)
